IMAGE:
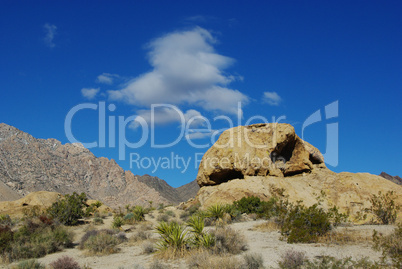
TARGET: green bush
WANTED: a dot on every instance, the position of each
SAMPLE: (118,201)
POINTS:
(248,205)
(6,237)
(384,207)
(34,240)
(69,209)
(305,224)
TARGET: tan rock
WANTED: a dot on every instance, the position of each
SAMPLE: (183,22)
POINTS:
(257,150)
(348,191)
(40,199)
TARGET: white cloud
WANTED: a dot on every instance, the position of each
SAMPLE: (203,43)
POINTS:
(106,78)
(170,114)
(50,30)
(271,98)
(186,70)
(200,135)
(89,93)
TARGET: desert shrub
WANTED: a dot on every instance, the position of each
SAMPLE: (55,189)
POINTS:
(69,209)
(156,264)
(65,262)
(5,220)
(253,261)
(390,246)
(384,207)
(34,240)
(140,236)
(170,213)
(6,237)
(100,242)
(173,237)
(203,260)
(148,248)
(335,217)
(184,215)
(97,204)
(249,205)
(117,222)
(32,212)
(97,221)
(292,259)
(334,263)
(30,264)
(305,224)
(163,217)
(193,208)
(228,241)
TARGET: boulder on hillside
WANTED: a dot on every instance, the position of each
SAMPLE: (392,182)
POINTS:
(258,150)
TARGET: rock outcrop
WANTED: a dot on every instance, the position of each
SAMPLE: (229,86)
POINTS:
(29,165)
(227,171)
(258,150)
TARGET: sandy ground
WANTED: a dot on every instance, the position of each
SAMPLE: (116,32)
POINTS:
(267,243)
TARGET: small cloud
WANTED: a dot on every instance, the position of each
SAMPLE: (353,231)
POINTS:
(170,114)
(50,30)
(186,70)
(106,78)
(200,135)
(271,98)
(89,93)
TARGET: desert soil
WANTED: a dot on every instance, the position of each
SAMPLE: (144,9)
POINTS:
(267,243)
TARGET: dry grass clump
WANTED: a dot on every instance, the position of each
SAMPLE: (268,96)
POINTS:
(204,260)
(268,226)
(228,241)
(101,242)
(344,237)
(292,259)
(142,233)
(65,262)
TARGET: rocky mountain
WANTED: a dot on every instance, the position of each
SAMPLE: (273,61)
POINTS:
(28,164)
(395,179)
(176,195)
(260,159)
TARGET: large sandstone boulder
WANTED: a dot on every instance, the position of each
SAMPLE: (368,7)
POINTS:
(258,160)
(258,150)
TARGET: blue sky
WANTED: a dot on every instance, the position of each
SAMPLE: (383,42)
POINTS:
(278,58)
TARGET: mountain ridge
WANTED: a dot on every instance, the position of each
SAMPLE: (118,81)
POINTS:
(28,164)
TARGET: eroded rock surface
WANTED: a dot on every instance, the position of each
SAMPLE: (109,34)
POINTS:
(258,150)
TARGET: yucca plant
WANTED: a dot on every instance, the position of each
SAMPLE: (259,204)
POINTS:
(216,211)
(196,225)
(173,237)
(139,213)
(207,240)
